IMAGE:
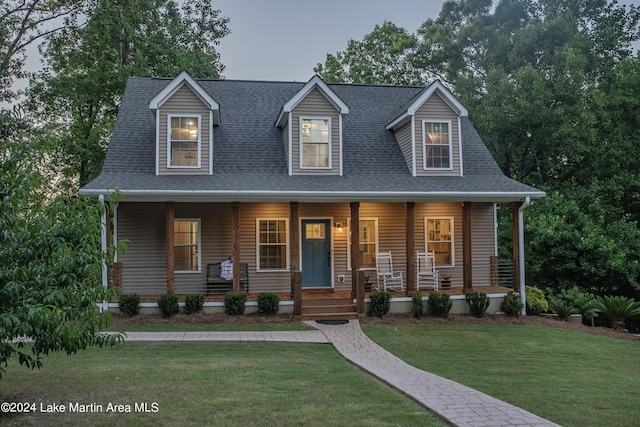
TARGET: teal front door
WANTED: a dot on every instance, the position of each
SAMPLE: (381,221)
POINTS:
(316,253)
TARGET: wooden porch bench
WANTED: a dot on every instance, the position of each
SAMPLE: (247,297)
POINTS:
(217,285)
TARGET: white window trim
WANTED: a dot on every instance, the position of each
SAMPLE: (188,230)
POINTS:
(169,117)
(453,238)
(287,248)
(349,242)
(199,270)
(424,146)
(301,144)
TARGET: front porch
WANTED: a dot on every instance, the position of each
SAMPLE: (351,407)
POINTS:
(172,245)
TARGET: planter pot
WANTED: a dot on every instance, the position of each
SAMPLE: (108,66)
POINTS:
(445,284)
(367,287)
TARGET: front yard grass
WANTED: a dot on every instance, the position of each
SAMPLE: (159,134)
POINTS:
(571,378)
(242,384)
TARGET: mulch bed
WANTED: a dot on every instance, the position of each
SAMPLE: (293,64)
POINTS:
(454,319)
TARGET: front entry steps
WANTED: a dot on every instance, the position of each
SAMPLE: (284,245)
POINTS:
(328,309)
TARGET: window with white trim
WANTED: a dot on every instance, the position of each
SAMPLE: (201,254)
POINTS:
(437,145)
(186,244)
(368,245)
(184,141)
(272,244)
(439,239)
(315,141)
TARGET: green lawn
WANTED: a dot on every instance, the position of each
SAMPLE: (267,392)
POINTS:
(261,384)
(571,378)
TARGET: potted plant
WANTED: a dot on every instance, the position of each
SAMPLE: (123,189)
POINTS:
(368,283)
(445,283)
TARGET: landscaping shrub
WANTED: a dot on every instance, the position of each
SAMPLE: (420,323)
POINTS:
(617,309)
(129,304)
(168,305)
(418,304)
(193,303)
(572,301)
(268,303)
(380,303)
(478,303)
(234,303)
(440,304)
(536,301)
(561,307)
(512,304)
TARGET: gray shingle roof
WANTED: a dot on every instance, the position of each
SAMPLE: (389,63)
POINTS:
(249,158)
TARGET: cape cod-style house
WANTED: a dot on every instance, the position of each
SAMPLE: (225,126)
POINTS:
(301,185)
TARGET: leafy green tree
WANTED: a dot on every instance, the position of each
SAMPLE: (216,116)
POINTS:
(23,23)
(50,262)
(551,86)
(617,309)
(87,69)
(383,57)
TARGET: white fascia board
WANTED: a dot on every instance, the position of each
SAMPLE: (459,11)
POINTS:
(315,81)
(436,86)
(447,96)
(319,196)
(176,84)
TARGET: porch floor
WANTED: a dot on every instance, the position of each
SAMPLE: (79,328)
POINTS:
(309,295)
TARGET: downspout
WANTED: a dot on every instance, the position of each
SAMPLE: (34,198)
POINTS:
(103,236)
(525,205)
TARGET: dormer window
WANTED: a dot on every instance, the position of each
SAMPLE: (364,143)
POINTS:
(437,145)
(184,141)
(316,142)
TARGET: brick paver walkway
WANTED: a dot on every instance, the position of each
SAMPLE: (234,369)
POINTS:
(458,404)
(310,337)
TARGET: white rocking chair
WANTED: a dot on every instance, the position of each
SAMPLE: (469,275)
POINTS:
(426,270)
(386,275)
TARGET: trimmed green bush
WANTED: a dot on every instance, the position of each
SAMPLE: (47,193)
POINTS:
(561,307)
(193,303)
(440,304)
(168,305)
(268,303)
(536,301)
(380,303)
(129,304)
(478,303)
(617,309)
(512,304)
(418,304)
(234,303)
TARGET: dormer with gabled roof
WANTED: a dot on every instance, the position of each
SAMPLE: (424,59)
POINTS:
(185,115)
(428,130)
(311,126)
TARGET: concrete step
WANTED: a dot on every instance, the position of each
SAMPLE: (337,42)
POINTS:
(313,309)
(330,316)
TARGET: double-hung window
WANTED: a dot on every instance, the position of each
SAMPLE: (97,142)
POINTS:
(184,141)
(437,145)
(315,141)
(368,245)
(272,244)
(186,241)
(439,239)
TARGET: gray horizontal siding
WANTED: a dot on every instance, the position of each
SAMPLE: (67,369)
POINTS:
(436,109)
(315,105)
(143,224)
(184,101)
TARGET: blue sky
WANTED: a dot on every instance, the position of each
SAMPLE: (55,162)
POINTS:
(285,39)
